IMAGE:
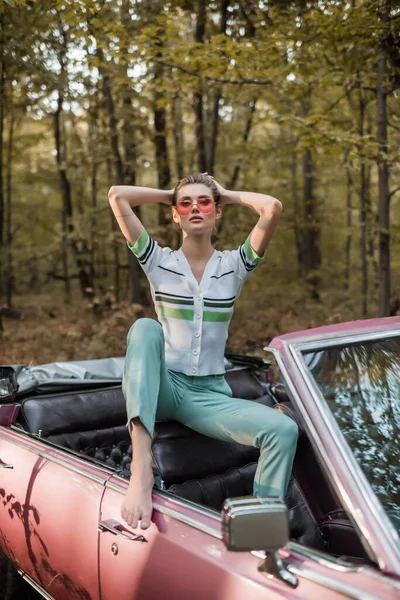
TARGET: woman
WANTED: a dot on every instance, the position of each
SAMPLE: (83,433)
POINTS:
(175,371)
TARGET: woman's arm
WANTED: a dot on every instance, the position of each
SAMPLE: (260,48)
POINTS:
(123,198)
(267,207)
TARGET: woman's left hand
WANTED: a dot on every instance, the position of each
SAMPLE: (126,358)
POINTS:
(221,190)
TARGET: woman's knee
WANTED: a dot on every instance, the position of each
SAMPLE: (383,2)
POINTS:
(289,432)
(145,331)
(284,434)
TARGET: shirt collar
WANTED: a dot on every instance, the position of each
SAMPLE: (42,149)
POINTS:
(206,278)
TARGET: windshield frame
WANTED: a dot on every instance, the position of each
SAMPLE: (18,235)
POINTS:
(392,539)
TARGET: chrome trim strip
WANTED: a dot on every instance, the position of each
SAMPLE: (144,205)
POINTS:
(73,468)
(322,344)
(197,524)
(35,585)
(58,461)
(333,584)
(325,560)
(349,459)
(317,444)
(174,513)
(337,564)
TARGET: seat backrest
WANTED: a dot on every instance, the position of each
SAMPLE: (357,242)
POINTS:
(92,422)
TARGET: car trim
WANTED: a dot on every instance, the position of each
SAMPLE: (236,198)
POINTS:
(338,564)
(59,461)
(337,586)
(172,512)
(35,585)
(317,444)
(335,564)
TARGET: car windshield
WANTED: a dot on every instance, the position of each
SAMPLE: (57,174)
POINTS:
(361,384)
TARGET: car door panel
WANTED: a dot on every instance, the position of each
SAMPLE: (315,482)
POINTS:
(19,514)
(49,511)
(69,505)
(182,556)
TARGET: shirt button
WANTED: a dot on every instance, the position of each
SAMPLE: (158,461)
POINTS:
(197,334)
(198,297)
(198,316)
(195,351)
(194,370)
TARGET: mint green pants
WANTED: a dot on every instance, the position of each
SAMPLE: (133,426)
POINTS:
(205,404)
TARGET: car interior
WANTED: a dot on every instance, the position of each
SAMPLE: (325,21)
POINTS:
(92,422)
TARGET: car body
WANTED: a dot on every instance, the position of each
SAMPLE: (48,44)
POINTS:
(60,494)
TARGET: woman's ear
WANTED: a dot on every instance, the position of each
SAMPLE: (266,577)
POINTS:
(175,215)
(218,210)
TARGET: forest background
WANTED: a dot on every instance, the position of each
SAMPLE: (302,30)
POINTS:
(297,99)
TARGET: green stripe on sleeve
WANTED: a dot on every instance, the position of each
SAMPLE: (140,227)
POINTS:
(216,317)
(140,244)
(251,255)
(176,313)
(173,300)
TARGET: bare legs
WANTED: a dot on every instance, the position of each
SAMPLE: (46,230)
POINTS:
(137,505)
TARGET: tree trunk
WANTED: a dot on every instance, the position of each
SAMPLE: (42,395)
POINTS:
(115,229)
(311,252)
(81,255)
(245,137)
(66,200)
(9,236)
(383,187)
(93,188)
(134,268)
(177,131)
(198,95)
(112,120)
(363,240)
(349,234)
(296,207)
(212,145)
(68,227)
(311,256)
(362,193)
(160,137)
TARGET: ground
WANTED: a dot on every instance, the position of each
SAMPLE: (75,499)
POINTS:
(49,330)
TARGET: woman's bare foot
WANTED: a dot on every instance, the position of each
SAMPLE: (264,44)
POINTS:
(137,505)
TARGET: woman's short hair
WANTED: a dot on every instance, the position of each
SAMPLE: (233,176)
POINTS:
(196,178)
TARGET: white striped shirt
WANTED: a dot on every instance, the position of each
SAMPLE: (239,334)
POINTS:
(195,317)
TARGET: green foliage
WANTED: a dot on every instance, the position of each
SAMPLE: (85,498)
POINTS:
(304,65)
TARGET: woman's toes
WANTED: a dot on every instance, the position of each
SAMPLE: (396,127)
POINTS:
(144,523)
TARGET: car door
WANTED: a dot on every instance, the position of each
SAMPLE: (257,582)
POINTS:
(171,559)
(182,555)
(49,516)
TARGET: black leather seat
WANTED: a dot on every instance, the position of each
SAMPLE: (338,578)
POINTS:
(189,464)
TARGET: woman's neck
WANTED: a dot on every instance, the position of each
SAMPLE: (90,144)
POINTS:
(197,247)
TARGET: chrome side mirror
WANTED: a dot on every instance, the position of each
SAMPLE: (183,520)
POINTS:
(254,524)
(258,524)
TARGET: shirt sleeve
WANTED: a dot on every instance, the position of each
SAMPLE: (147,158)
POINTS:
(245,259)
(147,251)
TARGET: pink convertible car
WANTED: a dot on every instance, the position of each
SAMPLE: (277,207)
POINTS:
(64,468)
